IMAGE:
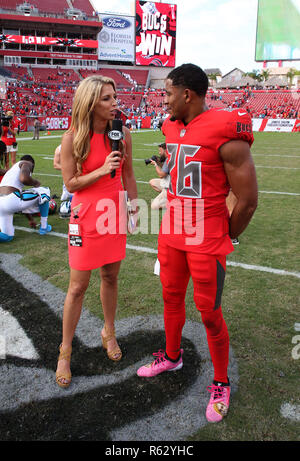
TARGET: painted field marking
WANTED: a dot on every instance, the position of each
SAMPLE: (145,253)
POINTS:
(277,167)
(275,155)
(147,182)
(154,251)
(277,192)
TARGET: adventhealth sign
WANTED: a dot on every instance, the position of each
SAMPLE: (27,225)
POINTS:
(117,38)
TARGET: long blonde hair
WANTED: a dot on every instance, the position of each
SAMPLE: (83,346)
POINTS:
(86,97)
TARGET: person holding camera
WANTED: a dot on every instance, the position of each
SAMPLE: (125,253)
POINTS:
(161,183)
(8,136)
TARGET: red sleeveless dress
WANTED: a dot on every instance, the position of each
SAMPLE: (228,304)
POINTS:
(100,212)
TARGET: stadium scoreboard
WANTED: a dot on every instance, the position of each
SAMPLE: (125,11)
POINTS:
(278,30)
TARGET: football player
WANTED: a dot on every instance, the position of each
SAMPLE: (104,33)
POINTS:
(13,199)
(208,154)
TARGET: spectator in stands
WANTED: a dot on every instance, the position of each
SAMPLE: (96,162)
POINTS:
(160,184)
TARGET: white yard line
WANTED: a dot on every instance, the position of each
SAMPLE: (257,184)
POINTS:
(277,192)
(154,251)
(275,155)
(147,182)
(276,167)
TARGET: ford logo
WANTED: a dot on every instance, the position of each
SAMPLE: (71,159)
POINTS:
(116,23)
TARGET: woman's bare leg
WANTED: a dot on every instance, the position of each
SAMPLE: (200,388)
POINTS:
(109,296)
(79,281)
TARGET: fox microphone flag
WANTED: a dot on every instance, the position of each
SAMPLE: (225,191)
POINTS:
(115,135)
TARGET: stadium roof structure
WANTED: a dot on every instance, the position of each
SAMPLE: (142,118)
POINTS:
(242,82)
(213,71)
(276,81)
(68,8)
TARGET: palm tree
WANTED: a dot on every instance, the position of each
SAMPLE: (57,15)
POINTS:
(213,76)
(254,74)
(265,74)
(291,74)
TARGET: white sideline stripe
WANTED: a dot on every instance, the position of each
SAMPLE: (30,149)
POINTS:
(147,182)
(263,269)
(276,192)
(41,137)
(46,136)
(153,251)
(276,155)
(277,167)
(256,166)
(48,174)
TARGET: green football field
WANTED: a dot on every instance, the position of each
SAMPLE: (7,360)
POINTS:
(261,299)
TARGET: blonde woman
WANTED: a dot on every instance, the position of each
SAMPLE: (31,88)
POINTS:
(87,161)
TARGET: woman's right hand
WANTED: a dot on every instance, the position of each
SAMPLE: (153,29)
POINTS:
(112,162)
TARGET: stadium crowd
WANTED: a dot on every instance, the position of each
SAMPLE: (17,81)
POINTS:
(39,93)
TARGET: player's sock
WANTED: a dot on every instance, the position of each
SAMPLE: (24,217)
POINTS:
(219,383)
(218,343)
(44,210)
(5,237)
(173,360)
(44,222)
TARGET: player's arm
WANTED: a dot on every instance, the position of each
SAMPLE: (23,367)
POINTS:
(25,175)
(240,171)
(56,159)
(71,179)
(128,176)
(161,174)
(31,221)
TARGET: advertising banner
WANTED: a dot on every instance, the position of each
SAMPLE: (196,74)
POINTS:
(116,39)
(48,41)
(256,124)
(50,122)
(155,34)
(281,124)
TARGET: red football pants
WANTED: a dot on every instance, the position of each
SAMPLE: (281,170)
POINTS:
(208,274)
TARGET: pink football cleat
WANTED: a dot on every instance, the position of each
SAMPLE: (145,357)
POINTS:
(218,404)
(160,365)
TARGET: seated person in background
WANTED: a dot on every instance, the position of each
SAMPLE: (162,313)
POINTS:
(56,164)
(161,183)
(14,200)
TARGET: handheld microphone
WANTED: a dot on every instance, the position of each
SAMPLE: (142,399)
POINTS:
(116,134)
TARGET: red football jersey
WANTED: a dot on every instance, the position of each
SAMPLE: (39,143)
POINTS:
(197,217)
(7,136)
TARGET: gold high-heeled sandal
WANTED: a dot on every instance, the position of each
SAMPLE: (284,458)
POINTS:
(64,355)
(116,353)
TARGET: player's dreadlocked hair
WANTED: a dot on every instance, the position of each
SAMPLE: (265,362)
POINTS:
(190,76)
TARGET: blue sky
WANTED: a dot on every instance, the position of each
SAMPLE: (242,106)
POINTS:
(210,33)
